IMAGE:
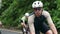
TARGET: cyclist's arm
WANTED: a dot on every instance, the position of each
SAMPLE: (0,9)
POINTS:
(31,25)
(50,22)
(23,21)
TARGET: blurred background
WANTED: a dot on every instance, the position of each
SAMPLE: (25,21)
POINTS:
(11,11)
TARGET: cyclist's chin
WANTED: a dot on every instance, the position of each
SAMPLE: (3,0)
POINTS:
(37,15)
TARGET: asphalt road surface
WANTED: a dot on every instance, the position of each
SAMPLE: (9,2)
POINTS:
(5,31)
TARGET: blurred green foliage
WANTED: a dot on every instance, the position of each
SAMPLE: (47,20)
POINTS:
(12,11)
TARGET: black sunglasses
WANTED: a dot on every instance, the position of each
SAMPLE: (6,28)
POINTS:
(38,8)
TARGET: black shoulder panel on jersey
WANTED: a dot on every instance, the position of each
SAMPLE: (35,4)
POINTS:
(21,20)
(31,13)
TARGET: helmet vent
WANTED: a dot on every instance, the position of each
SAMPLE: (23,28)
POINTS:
(38,2)
(35,3)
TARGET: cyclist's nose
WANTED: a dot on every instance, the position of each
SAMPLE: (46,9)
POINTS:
(37,10)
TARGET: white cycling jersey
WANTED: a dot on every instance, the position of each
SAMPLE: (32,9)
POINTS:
(31,20)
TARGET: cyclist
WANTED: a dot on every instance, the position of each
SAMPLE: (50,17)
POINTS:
(37,21)
(24,23)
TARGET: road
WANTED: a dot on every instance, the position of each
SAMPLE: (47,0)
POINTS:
(6,31)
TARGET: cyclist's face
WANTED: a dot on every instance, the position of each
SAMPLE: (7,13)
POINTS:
(38,11)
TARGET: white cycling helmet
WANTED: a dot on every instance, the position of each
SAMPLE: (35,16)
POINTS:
(26,14)
(37,4)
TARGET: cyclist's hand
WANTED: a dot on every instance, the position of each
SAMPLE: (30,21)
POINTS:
(22,24)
